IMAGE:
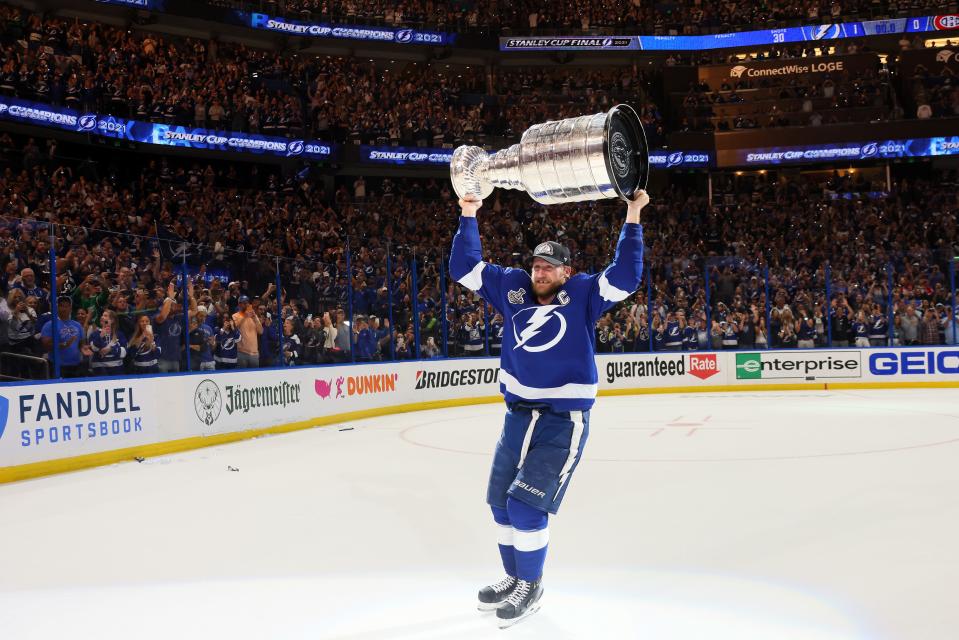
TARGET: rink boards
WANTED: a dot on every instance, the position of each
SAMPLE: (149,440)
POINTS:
(62,426)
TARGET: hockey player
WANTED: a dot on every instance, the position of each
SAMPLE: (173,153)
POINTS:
(549,380)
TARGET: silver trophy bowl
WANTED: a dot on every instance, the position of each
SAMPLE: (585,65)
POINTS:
(586,158)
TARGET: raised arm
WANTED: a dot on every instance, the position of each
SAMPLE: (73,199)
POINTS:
(466,258)
(167,304)
(622,277)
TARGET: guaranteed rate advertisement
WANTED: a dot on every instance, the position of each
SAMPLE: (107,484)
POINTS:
(46,115)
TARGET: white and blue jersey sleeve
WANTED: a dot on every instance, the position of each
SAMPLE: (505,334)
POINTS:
(623,275)
(548,350)
(468,268)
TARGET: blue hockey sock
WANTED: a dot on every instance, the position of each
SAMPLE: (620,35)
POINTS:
(530,538)
(504,537)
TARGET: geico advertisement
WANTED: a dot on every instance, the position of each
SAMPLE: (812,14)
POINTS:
(48,421)
(908,364)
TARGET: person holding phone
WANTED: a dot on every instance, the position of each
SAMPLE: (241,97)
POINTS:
(144,347)
(107,346)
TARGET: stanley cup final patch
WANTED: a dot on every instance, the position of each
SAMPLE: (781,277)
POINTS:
(516,297)
(545,248)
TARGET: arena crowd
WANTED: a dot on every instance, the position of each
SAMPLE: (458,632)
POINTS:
(125,236)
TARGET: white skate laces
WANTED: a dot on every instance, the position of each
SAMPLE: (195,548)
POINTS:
(519,593)
(504,585)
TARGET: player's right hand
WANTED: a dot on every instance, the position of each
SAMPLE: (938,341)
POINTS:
(470,206)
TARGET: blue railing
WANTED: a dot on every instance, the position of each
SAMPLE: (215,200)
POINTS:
(406,312)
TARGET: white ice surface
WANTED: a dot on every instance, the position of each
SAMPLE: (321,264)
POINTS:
(766,516)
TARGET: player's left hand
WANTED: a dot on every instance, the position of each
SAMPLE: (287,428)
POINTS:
(635,206)
(640,199)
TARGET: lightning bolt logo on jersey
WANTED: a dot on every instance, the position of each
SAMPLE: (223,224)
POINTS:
(548,352)
(539,321)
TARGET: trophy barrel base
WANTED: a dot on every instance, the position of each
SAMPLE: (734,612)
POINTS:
(626,151)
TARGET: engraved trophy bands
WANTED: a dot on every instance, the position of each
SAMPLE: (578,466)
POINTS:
(586,158)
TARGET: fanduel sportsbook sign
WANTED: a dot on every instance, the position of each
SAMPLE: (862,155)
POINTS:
(54,419)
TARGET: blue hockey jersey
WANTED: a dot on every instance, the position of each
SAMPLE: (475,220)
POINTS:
(548,350)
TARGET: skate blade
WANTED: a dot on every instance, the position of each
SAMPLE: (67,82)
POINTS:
(505,624)
(489,606)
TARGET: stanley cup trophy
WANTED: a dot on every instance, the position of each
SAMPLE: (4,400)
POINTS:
(586,158)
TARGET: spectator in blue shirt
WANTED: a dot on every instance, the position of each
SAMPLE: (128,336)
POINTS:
(169,332)
(365,341)
(201,344)
(381,332)
(269,339)
(70,342)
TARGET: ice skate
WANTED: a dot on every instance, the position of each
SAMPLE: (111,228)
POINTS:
(495,595)
(522,602)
